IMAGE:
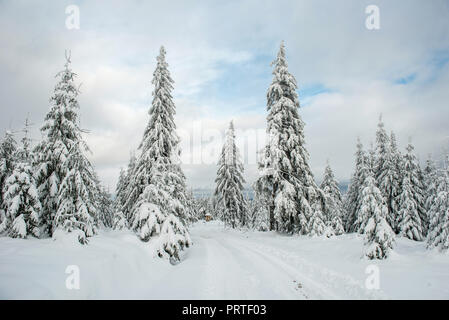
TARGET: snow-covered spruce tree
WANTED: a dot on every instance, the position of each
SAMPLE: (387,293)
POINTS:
(192,215)
(398,167)
(105,207)
(352,199)
(411,199)
(65,177)
(430,183)
(438,236)
(119,218)
(386,174)
(317,225)
(286,179)
(60,133)
(126,196)
(8,149)
(334,204)
(77,201)
(379,236)
(421,189)
(259,215)
(229,183)
(119,222)
(363,213)
(158,191)
(412,172)
(119,200)
(21,199)
(410,223)
(251,213)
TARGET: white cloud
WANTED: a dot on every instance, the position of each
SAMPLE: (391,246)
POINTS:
(114,55)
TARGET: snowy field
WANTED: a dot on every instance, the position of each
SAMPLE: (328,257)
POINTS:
(222,264)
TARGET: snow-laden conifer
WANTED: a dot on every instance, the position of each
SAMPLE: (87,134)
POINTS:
(398,168)
(411,199)
(229,183)
(65,177)
(385,173)
(317,223)
(157,184)
(8,150)
(22,203)
(352,199)
(119,221)
(438,236)
(285,175)
(77,196)
(334,203)
(61,141)
(125,190)
(379,236)
(430,173)
(364,211)
(21,200)
(105,207)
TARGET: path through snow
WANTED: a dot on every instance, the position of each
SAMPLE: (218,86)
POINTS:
(222,264)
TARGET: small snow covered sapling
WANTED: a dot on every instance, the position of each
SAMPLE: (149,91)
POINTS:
(333,204)
(379,236)
(120,222)
(439,214)
(22,203)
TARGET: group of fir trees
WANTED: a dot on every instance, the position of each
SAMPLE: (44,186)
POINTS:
(390,195)
(53,187)
(287,199)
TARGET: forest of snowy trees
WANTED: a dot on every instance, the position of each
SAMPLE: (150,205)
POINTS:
(52,189)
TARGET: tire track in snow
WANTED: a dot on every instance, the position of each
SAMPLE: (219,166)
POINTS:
(340,286)
(265,278)
(304,287)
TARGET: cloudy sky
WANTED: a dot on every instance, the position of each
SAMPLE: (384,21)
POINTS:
(219,53)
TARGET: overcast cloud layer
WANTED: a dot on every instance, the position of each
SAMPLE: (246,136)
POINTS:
(219,55)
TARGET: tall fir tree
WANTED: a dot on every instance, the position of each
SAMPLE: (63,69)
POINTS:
(386,175)
(352,199)
(286,178)
(158,190)
(229,183)
(412,199)
(8,155)
(65,177)
(334,203)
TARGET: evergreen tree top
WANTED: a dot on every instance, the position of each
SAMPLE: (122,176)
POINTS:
(8,146)
(61,126)
(284,84)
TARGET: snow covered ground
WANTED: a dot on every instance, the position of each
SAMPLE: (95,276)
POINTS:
(222,264)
